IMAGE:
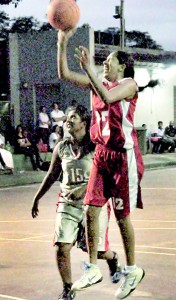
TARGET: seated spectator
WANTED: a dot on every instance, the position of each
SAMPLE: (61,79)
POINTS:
(44,123)
(159,140)
(156,138)
(55,136)
(6,159)
(170,136)
(24,146)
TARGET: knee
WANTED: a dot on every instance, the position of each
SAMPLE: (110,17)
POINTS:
(92,211)
(63,249)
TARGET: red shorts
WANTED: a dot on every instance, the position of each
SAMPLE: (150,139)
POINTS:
(116,175)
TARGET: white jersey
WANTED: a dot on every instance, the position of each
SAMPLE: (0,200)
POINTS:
(76,169)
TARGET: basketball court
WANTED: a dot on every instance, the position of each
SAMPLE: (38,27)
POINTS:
(27,258)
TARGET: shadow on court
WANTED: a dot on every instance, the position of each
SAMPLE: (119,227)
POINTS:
(27,258)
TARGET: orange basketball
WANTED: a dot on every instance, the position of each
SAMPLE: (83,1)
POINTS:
(63,14)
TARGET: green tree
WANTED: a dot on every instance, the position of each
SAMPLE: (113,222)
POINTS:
(24,24)
(140,39)
(4,25)
(134,39)
(7,2)
(46,27)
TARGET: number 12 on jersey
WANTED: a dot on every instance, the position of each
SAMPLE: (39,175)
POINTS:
(102,121)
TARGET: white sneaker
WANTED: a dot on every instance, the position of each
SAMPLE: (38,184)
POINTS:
(91,276)
(129,283)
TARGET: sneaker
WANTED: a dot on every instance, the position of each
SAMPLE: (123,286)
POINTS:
(91,276)
(130,283)
(67,293)
(115,269)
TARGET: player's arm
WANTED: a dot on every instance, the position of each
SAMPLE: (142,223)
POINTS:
(126,89)
(77,193)
(51,176)
(63,70)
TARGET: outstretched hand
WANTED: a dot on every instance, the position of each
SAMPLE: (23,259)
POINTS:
(82,54)
(64,36)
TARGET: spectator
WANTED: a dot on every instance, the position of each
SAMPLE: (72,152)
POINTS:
(57,116)
(6,159)
(156,138)
(24,146)
(44,123)
(55,137)
(170,135)
(147,137)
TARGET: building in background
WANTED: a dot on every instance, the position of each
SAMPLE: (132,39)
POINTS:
(34,80)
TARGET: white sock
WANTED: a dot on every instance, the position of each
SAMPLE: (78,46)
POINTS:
(130,269)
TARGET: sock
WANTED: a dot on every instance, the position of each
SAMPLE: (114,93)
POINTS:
(130,269)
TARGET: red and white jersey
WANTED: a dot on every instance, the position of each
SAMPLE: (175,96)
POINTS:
(113,124)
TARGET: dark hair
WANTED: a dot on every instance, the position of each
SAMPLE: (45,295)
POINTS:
(55,102)
(84,114)
(151,84)
(61,131)
(160,122)
(127,60)
(41,107)
(17,128)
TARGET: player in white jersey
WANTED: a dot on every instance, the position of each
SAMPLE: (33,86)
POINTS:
(73,158)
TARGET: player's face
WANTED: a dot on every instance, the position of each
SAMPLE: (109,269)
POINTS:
(111,68)
(74,122)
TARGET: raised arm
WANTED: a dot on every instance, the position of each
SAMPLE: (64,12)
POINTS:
(63,70)
(51,176)
(126,89)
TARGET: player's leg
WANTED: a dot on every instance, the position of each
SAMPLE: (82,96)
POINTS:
(127,199)
(66,230)
(104,251)
(92,231)
(64,267)
(94,197)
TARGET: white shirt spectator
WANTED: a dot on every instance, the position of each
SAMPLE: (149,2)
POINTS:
(2,139)
(43,120)
(55,114)
(6,155)
(52,139)
(160,132)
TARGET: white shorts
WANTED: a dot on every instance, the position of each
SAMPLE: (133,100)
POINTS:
(70,224)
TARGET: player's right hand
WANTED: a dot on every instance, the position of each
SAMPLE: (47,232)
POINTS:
(64,36)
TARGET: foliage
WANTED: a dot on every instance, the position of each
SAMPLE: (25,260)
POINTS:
(46,27)
(7,2)
(4,25)
(137,39)
(140,39)
(24,24)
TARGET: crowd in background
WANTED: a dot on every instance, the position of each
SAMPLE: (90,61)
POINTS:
(49,131)
(162,139)
(52,128)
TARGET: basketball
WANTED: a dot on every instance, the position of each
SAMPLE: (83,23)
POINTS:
(63,14)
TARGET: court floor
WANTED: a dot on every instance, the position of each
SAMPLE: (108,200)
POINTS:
(27,258)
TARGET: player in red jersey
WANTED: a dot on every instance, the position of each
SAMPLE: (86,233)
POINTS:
(118,167)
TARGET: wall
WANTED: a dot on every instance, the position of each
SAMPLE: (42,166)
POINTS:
(156,104)
(33,65)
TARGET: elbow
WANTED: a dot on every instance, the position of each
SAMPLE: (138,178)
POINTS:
(63,75)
